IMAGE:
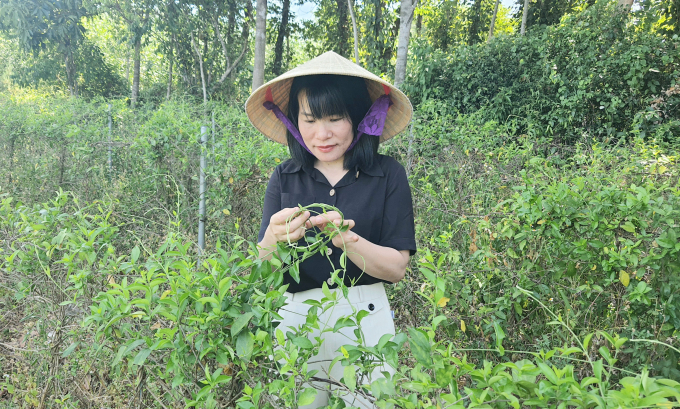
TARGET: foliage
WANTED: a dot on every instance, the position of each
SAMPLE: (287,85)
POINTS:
(96,77)
(550,12)
(555,82)
(511,228)
(205,335)
(39,24)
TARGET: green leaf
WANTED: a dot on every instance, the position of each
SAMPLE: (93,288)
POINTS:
(652,401)
(383,341)
(342,323)
(294,271)
(361,315)
(586,341)
(350,377)
(607,337)
(500,336)
(135,254)
(428,274)
(244,345)
(597,369)
(205,300)
(548,372)
(628,226)
(437,320)
(240,323)
(303,342)
(141,356)
(604,351)
(69,350)
(343,260)
(569,351)
(279,337)
(307,397)
(420,346)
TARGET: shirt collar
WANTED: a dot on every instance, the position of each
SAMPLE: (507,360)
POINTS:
(374,170)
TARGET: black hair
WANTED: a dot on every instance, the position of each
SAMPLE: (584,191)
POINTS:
(337,96)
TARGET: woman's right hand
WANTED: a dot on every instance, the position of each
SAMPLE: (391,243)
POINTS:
(280,230)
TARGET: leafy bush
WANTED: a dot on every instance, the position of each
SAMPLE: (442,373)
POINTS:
(96,76)
(203,334)
(572,224)
(477,299)
(594,74)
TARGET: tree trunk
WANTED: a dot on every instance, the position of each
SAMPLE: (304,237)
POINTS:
(69,77)
(343,35)
(408,7)
(287,51)
(356,32)
(245,31)
(387,50)
(283,30)
(475,22)
(229,67)
(135,72)
(200,66)
(493,20)
(419,24)
(172,59)
(525,13)
(377,27)
(260,43)
(231,21)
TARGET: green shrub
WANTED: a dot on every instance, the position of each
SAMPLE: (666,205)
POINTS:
(202,334)
(594,74)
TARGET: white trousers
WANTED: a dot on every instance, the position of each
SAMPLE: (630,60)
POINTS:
(371,298)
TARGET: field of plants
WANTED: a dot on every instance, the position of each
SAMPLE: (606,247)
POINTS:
(546,193)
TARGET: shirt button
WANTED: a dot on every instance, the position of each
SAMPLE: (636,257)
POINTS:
(329,281)
(332,192)
(329,251)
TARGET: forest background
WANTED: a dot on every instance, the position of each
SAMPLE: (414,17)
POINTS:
(542,158)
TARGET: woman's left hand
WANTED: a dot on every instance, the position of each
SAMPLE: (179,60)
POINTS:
(340,240)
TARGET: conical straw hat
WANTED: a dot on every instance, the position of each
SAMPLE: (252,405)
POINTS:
(398,116)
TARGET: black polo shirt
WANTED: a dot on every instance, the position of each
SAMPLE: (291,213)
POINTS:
(378,199)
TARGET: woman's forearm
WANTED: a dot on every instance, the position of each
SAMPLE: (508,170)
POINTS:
(380,262)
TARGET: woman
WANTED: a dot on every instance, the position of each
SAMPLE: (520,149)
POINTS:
(337,113)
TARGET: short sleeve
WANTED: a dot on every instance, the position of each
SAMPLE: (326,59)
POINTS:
(272,202)
(398,229)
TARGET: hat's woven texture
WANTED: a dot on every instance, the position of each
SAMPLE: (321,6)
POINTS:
(266,122)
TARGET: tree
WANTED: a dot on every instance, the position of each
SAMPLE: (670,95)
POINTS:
(525,12)
(343,29)
(283,32)
(208,50)
(260,43)
(475,27)
(548,12)
(408,8)
(137,16)
(446,22)
(168,23)
(493,20)
(39,24)
(354,29)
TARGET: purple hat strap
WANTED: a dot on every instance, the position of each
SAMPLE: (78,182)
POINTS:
(372,124)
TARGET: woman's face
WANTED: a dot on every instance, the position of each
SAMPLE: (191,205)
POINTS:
(327,138)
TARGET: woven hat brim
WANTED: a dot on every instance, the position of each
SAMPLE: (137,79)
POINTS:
(398,116)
